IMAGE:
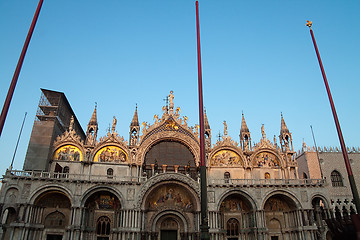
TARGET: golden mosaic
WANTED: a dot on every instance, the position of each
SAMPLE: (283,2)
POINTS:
(111,154)
(68,153)
(226,158)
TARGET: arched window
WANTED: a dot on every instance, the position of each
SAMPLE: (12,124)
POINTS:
(110,172)
(336,179)
(66,169)
(232,227)
(267,175)
(305,176)
(226,177)
(103,226)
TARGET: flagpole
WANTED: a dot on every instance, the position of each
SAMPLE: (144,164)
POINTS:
(204,227)
(18,68)
(17,143)
(342,142)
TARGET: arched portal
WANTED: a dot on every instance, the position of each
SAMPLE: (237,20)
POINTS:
(53,210)
(237,216)
(101,210)
(280,212)
(171,209)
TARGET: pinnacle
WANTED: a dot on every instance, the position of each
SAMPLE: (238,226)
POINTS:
(135,120)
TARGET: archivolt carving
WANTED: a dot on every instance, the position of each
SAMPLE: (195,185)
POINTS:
(167,177)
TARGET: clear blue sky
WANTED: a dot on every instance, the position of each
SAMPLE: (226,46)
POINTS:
(257,57)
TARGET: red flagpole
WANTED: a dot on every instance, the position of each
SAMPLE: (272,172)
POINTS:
(342,142)
(18,68)
(204,227)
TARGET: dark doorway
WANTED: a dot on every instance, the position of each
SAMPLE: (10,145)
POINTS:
(102,238)
(53,237)
(274,238)
(168,235)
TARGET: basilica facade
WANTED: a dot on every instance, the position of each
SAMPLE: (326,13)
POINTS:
(78,185)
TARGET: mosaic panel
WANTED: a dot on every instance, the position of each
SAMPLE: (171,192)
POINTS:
(111,154)
(69,153)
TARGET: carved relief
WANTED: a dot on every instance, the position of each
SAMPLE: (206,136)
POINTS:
(68,153)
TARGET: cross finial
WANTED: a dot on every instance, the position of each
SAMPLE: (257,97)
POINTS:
(219,136)
(166,101)
(308,23)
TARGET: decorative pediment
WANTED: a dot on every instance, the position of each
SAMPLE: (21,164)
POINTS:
(264,144)
(226,141)
(68,137)
(168,125)
(112,138)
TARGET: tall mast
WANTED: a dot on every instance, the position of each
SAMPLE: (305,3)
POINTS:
(204,227)
(18,68)
(342,142)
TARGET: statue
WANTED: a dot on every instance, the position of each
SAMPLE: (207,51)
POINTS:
(144,125)
(225,129)
(185,120)
(171,100)
(71,125)
(263,132)
(156,118)
(113,124)
(178,111)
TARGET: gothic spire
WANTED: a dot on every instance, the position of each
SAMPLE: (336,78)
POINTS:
(244,127)
(93,120)
(206,122)
(284,128)
(135,120)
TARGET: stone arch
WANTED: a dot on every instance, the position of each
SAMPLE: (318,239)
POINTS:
(160,136)
(322,198)
(53,210)
(96,189)
(181,219)
(286,194)
(51,187)
(9,215)
(242,193)
(236,204)
(12,193)
(171,195)
(159,179)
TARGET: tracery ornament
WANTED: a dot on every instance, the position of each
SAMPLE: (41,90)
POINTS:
(111,154)
(68,153)
(266,159)
(226,158)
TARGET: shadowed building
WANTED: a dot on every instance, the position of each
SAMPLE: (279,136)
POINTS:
(107,188)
